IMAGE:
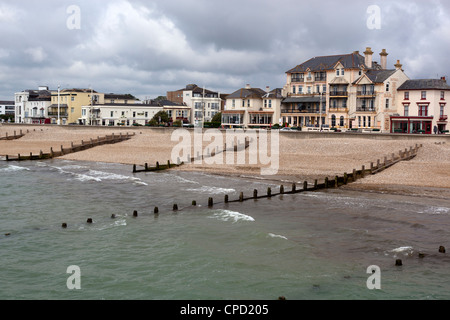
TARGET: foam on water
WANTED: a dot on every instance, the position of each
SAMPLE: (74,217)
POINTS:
(272,235)
(228,215)
(213,190)
(12,168)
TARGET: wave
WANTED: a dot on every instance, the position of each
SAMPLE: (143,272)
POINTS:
(405,250)
(12,168)
(211,190)
(228,215)
(272,235)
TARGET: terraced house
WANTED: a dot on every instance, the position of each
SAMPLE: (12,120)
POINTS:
(342,91)
(252,108)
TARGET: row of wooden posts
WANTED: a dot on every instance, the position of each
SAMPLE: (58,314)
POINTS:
(108,139)
(337,181)
(13,137)
(209,153)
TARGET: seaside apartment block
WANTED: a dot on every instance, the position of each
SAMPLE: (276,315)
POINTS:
(32,106)
(204,104)
(342,91)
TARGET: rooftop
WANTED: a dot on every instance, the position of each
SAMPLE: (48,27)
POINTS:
(425,84)
(323,63)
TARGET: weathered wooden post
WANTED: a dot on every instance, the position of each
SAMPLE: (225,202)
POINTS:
(134,168)
(7,158)
(281,189)
(269,191)
(146,166)
(168,164)
(18,157)
(157,165)
(293,187)
(135,213)
(255,194)
(175,207)
(241,197)
(225,199)
(346,176)
(326,182)
(371,167)
(315,184)
(194,203)
(156,210)
(336,181)
(354,175)
(305,185)
(210,202)
(363,171)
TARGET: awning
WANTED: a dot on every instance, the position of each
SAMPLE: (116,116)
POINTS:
(303,100)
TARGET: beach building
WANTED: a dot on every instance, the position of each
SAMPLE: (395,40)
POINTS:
(252,108)
(423,107)
(7,107)
(70,102)
(204,103)
(342,91)
(32,106)
(118,114)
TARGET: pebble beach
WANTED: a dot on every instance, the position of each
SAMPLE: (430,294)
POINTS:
(299,158)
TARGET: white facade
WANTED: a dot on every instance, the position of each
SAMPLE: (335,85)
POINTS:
(118,114)
(31,106)
(7,107)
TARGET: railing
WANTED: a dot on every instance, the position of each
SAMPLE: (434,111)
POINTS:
(338,109)
(365,109)
(61,114)
(366,93)
(297,79)
(339,93)
(443,117)
(302,111)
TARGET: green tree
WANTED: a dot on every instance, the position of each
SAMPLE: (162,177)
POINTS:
(161,117)
(217,118)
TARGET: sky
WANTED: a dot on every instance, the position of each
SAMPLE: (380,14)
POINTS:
(147,48)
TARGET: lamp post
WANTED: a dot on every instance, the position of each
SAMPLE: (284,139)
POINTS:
(58,121)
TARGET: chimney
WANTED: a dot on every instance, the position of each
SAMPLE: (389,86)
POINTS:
(368,55)
(247,86)
(383,59)
(443,78)
(398,65)
(267,89)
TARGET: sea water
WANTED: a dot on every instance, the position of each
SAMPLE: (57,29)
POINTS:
(311,245)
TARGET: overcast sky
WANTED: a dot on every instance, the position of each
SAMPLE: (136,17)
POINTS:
(147,48)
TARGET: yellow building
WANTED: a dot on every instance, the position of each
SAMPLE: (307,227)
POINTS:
(70,102)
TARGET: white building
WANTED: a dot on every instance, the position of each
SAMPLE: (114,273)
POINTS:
(31,106)
(123,114)
(7,107)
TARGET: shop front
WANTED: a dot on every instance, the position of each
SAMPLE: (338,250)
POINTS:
(411,125)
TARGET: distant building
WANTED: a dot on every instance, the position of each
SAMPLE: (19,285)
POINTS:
(252,108)
(422,107)
(204,103)
(7,108)
(32,106)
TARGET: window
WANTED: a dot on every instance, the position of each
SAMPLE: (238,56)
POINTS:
(387,86)
(333,120)
(324,88)
(233,103)
(441,111)
(406,110)
(369,121)
(406,97)
(248,103)
(359,121)
(423,110)
(424,95)
(72,98)
(341,122)
(134,114)
(72,110)
(112,114)
(442,95)
(387,103)
(337,72)
(123,113)
(309,89)
(300,90)
(293,89)
(342,71)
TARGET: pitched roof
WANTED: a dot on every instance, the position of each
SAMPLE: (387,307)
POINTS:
(426,84)
(245,93)
(377,76)
(324,63)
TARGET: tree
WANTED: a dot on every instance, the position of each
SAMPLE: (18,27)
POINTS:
(161,117)
(217,118)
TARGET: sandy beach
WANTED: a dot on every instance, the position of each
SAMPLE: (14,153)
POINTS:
(299,159)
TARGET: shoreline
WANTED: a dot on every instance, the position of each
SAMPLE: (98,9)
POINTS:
(300,158)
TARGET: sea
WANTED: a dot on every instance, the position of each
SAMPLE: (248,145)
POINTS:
(333,244)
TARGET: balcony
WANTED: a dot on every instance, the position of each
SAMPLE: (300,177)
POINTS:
(365,109)
(443,117)
(298,80)
(338,109)
(55,114)
(338,93)
(312,110)
(366,93)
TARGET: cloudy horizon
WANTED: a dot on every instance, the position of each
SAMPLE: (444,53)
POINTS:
(147,48)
